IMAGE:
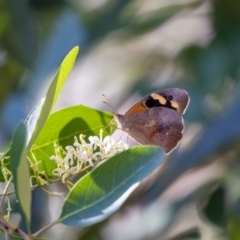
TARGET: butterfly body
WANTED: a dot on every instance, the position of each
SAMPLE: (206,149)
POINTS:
(156,119)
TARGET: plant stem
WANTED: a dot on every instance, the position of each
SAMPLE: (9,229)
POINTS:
(8,225)
(6,234)
(36,234)
(5,193)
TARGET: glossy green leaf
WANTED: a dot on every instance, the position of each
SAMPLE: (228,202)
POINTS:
(63,125)
(32,118)
(40,113)
(53,92)
(102,191)
(20,171)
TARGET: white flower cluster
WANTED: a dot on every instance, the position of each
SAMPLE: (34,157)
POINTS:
(83,155)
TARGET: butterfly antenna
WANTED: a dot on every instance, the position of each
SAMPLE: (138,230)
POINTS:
(110,124)
(109,103)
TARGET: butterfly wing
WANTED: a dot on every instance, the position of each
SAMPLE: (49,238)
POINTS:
(159,126)
(173,98)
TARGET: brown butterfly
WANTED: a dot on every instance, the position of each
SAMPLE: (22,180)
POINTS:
(156,119)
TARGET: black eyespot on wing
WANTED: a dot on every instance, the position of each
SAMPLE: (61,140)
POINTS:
(151,103)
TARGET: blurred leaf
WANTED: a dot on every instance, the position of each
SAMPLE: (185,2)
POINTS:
(62,126)
(14,237)
(21,175)
(10,71)
(56,45)
(233,228)
(212,66)
(19,32)
(53,92)
(226,18)
(189,234)
(101,192)
(215,208)
(104,22)
(148,21)
(214,139)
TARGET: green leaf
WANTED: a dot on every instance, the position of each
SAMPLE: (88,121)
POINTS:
(53,93)
(32,118)
(20,171)
(63,125)
(101,192)
(40,113)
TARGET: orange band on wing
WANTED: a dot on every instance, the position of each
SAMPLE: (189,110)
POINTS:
(137,108)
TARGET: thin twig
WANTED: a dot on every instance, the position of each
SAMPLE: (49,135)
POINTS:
(5,193)
(6,224)
(36,234)
(69,182)
(24,235)
(8,194)
(14,228)
(6,233)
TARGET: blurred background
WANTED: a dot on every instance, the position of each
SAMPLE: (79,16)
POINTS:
(129,49)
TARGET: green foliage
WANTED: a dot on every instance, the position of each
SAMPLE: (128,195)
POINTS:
(21,174)
(101,192)
(25,135)
(132,48)
(61,128)
(96,195)
(52,95)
